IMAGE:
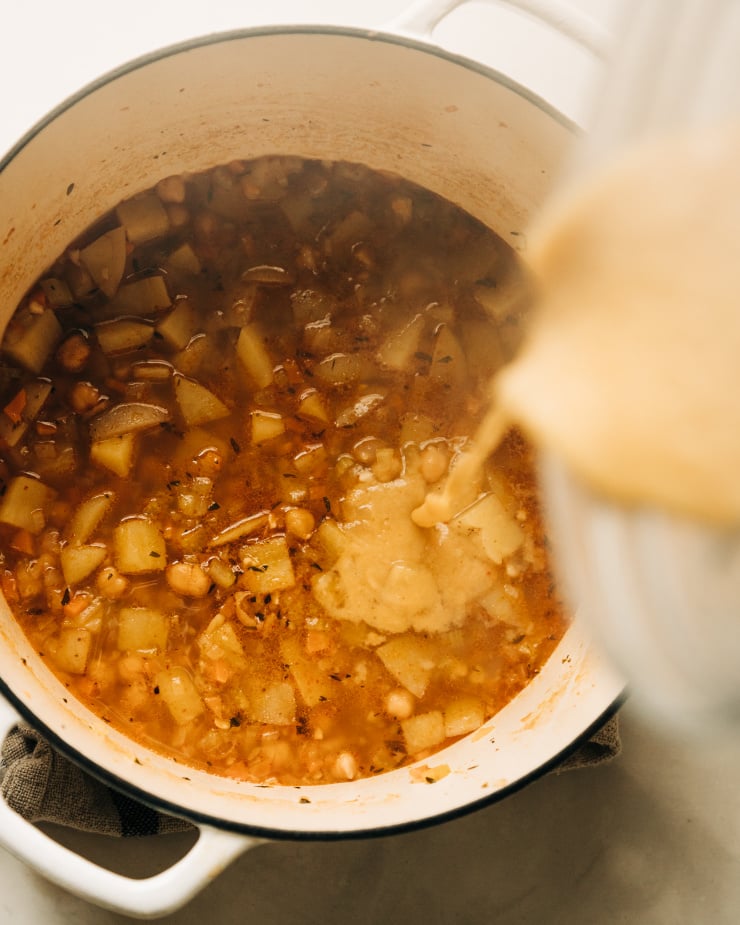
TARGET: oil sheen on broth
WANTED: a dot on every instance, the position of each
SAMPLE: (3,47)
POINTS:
(219,409)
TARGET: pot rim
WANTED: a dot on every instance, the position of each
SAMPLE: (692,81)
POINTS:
(215,38)
(161,805)
(98,771)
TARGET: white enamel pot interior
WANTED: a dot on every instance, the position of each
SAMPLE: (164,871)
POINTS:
(395,104)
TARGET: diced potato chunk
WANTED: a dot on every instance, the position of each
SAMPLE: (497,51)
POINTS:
(179,327)
(266,425)
(145,218)
(254,357)
(331,537)
(86,517)
(142,297)
(178,691)
(31,338)
(139,547)
(274,704)
(448,358)
(313,683)
(57,292)
(71,650)
(341,368)
(219,643)
(267,566)
(122,335)
(400,346)
(80,561)
(24,503)
(142,629)
(501,535)
(183,260)
(311,405)
(105,260)
(115,453)
(410,659)
(464,715)
(423,731)
(198,405)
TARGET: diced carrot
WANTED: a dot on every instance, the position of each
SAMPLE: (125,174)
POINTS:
(14,408)
(76,605)
(23,542)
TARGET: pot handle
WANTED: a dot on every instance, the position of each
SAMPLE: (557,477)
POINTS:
(146,898)
(423,16)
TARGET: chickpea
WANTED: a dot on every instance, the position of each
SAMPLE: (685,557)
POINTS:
(399,703)
(178,215)
(387,465)
(300,522)
(433,462)
(188,579)
(171,189)
(74,352)
(345,767)
(83,397)
(111,583)
(209,463)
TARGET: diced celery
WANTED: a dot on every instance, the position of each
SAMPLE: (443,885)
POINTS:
(179,326)
(115,453)
(123,334)
(142,629)
(254,357)
(139,547)
(105,260)
(24,503)
(198,405)
(144,218)
(80,561)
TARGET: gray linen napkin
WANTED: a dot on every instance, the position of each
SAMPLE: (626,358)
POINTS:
(44,786)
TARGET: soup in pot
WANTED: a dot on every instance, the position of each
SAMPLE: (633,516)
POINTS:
(220,408)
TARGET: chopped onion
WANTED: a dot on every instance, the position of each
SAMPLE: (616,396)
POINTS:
(127,418)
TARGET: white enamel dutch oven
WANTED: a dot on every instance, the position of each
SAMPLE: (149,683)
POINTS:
(389,100)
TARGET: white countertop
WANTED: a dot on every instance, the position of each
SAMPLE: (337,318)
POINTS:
(652,838)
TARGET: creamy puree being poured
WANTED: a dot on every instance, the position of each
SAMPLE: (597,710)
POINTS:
(630,372)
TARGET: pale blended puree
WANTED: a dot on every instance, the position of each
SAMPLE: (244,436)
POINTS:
(631,369)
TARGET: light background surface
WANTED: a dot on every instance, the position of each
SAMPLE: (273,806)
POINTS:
(653,838)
